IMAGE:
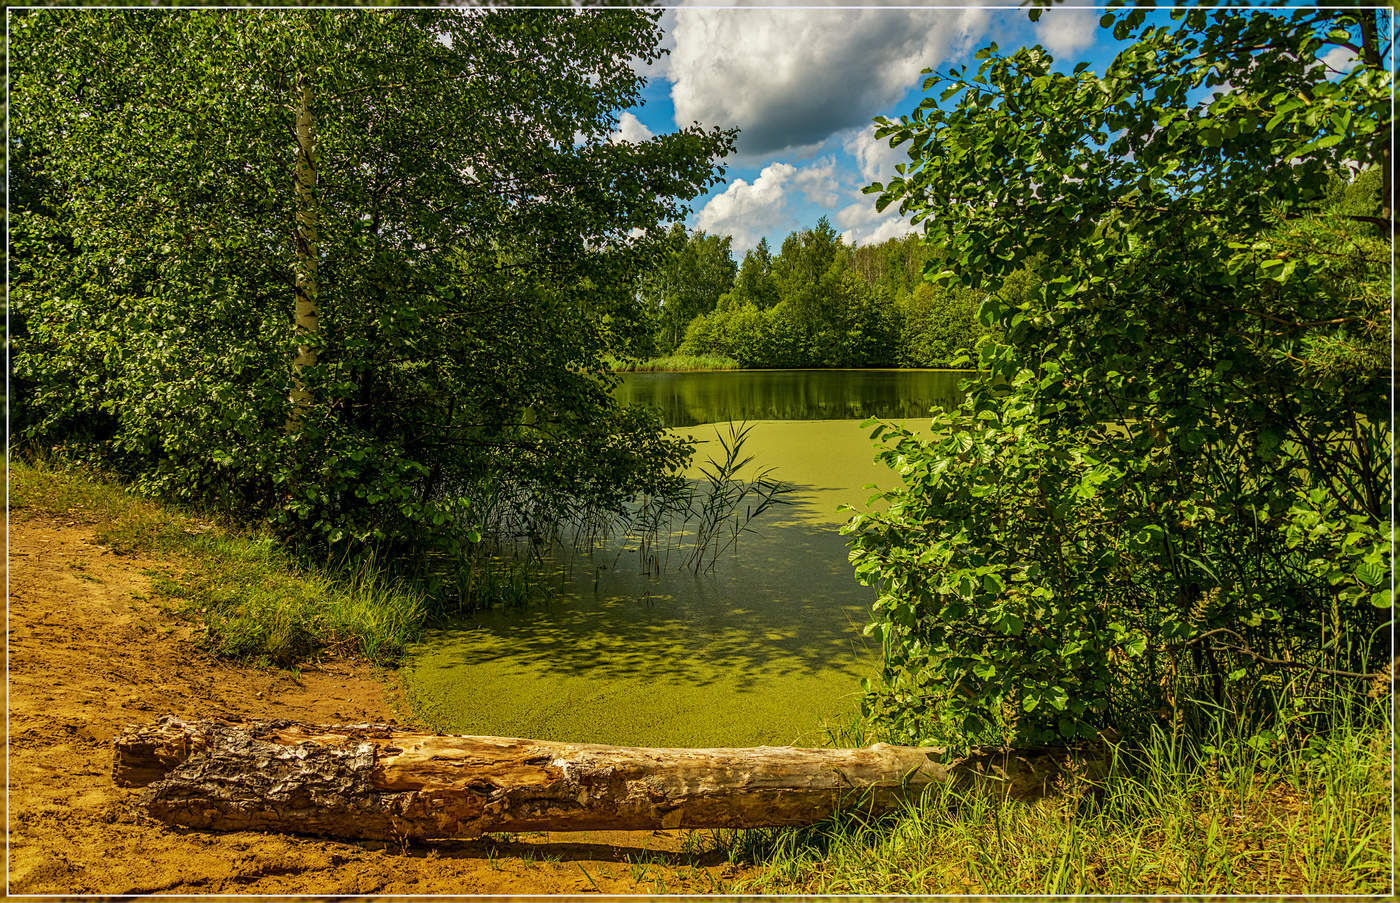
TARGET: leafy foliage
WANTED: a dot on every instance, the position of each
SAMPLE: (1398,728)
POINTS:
(697,270)
(1170,478)
(479,240)
(822,303)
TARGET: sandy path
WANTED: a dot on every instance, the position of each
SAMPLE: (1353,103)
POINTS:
(91,652)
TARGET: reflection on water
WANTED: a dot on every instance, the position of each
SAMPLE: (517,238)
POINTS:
(760,650)
(688,399)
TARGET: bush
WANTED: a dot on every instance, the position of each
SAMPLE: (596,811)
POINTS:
(1168,485)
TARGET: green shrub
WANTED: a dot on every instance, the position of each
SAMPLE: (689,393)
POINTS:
(1169,483)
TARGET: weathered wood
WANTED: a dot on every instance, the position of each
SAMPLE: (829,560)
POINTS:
(371,781)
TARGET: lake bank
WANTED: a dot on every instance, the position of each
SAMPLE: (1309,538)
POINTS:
(97,645)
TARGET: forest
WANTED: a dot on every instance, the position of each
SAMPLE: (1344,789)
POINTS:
(818,302)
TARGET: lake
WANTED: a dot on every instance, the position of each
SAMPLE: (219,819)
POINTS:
(761,649)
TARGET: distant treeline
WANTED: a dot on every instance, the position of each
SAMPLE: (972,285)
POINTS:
(818,302)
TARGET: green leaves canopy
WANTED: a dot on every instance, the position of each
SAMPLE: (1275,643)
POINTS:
(1170,479)
(479,240)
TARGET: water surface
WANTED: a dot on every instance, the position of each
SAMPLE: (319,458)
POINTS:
(760,650)
(688,399)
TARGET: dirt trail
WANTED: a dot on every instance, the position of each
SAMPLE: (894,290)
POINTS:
(91,652)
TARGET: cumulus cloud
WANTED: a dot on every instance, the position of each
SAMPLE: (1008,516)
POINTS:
(820,182)
(1065,32)
(1339,59)
(790,78)
(770,204)
(629,128)
(887,228)
(749,211)
(874,156)
(876,160)
(862,225)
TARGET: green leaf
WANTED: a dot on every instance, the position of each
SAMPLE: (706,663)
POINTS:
(1009,624)
(1322,143)
(1371,573)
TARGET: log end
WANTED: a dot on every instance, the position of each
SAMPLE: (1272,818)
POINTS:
(143,754)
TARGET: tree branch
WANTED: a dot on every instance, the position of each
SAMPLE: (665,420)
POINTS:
(1243,648)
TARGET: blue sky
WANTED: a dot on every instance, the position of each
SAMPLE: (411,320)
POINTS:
(803,85)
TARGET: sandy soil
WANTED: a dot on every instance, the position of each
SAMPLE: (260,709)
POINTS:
(91,652)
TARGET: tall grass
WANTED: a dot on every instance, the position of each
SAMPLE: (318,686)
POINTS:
(1226,813)
(250,599)
(716,506)
(676,363)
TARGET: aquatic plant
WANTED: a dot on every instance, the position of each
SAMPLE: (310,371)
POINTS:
(717,504)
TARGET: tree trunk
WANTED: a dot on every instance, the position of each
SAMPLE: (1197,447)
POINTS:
(372,781)
(306,317)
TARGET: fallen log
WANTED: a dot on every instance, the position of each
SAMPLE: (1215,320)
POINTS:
(373,781)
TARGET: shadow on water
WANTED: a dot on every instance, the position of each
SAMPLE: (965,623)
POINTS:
(758,650)
(785,600)
(761,649)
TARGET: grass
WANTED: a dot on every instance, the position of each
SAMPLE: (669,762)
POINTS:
(677,362)
(1227,814)
(252,600)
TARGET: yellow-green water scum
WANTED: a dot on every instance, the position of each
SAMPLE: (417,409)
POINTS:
(761,650)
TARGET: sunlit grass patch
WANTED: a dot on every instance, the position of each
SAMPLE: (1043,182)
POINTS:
(251,599)
(1226,815)
(678,362)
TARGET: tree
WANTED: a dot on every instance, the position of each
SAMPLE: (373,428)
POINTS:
(1169,481)
(804,257)
(694,274)
(896,264)
(754,282)
(431,192)
(938,325)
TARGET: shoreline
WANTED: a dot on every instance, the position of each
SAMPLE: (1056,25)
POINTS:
(94,649)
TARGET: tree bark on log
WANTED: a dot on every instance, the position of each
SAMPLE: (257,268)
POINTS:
(373,781)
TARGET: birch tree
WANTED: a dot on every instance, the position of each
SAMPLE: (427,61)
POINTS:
(353,272)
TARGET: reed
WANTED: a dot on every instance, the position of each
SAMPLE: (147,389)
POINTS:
(676,363)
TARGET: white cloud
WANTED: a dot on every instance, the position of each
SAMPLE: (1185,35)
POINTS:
(629,128)
(820,183)
(790,78)
(749,211)
(770,204)
(1339,59)
(874,156)
(1065,32)
(876,159)
(887,228)
(864,225)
